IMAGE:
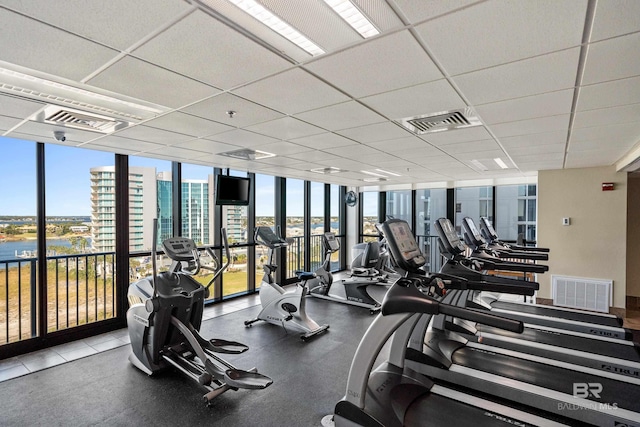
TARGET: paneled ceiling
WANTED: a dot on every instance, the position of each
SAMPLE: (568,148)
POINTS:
(552,84)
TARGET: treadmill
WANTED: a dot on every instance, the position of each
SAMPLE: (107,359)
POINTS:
(544,317)
(585,397)
(394,396)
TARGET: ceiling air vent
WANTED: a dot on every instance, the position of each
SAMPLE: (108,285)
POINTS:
(441,121)
(247,154)
(328,170)
(71,118)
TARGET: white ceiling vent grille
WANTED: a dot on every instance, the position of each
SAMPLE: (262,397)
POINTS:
(441,121)
(247,154)
(328,170)
(82,120)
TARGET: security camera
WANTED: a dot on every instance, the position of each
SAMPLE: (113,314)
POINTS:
(59,136)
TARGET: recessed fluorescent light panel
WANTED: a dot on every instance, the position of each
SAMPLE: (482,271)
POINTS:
(479,165)
(374,179)
(501,163)
(352,15)
(265,16)
(374,174)
(388,173)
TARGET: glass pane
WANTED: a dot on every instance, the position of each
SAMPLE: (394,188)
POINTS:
(370,202)
(317,208)
(18,311)
(467,204)
(515,210)
(295,226)
(197,204)
(81,225)
(399,205)
(521,210)
(532,190)
(265,216)
(143,203)
(531,210)
(431,204)
(335,224)
(235,219)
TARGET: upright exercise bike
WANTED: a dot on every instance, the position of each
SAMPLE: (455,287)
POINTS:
(164,318)
(279,306)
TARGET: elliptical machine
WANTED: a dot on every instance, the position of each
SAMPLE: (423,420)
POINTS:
(351,291)
(164,318)
(279,306)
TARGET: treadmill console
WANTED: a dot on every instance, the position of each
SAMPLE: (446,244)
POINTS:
(486,224)
(402,245)
(266,236)
(470,227)
(449,236)
(331,241)
(179,248)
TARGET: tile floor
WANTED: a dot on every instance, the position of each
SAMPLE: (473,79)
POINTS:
(42,359)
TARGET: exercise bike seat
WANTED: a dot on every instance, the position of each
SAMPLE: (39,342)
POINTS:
(305,275)
(246,379)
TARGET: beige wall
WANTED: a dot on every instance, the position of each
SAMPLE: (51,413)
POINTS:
(594,245)
(633,236)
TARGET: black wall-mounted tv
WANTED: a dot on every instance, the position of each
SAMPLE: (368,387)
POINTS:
(232,190)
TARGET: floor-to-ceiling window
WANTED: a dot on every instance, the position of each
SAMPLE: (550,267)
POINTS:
(399,205)
(370,210)
(516,210)
(295,226)
(431,204)
(334,226)
(317,209)
(235,220)
(473,202)
(18,211)
(265,216)
(81,228)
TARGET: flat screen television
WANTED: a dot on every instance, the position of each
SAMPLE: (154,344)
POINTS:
(232,190)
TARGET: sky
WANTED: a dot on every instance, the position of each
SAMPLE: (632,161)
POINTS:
(68,187)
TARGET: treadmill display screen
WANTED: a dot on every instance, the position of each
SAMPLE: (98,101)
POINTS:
(405,241)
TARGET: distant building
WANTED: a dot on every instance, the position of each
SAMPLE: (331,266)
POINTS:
(79,228)
(142,208)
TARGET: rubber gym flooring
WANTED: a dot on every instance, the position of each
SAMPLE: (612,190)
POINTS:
(309,378)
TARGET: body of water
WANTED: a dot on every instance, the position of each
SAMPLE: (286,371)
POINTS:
(8,249)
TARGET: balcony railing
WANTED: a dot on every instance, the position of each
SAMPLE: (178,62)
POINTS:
(80,290)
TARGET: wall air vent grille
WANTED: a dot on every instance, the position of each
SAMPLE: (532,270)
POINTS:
(586,294)
(441,121)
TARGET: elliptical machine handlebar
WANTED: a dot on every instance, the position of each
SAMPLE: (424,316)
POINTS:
(218,271)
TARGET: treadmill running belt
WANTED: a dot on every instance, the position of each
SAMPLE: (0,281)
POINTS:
(548,311)
(619,394)
(589,345)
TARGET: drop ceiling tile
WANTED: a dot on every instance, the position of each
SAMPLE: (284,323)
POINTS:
(518,31)
(417,11)
(139,79)
(207,50)
(44,132)
(400,144)
(111,148)
(487,154)
(532,126)
(614,18)
(283,148)
(120,144)
(177,152)
(357,71)
(208,146)
(18,108)
(375,132)
(609,134)
(528,107)
(471,147)
(537,157)
(7,123)
(246,112)
(538,166)
(106,23)
(620,56)
(157,136)
(188,125)
(38,53)
(416,100)
(241,138)
(284,92)
(607,116)
(589,145)
(314,156)
(353,151)
(417,153)
(281,161)
(477,133)
(546,138)
(323,141)
(536,149)
(285,128)
(593,158)
(341,116)
(610,94)
(547,73)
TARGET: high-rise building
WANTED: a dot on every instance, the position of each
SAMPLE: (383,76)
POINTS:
(196,204)
(142,208)
(165,210)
